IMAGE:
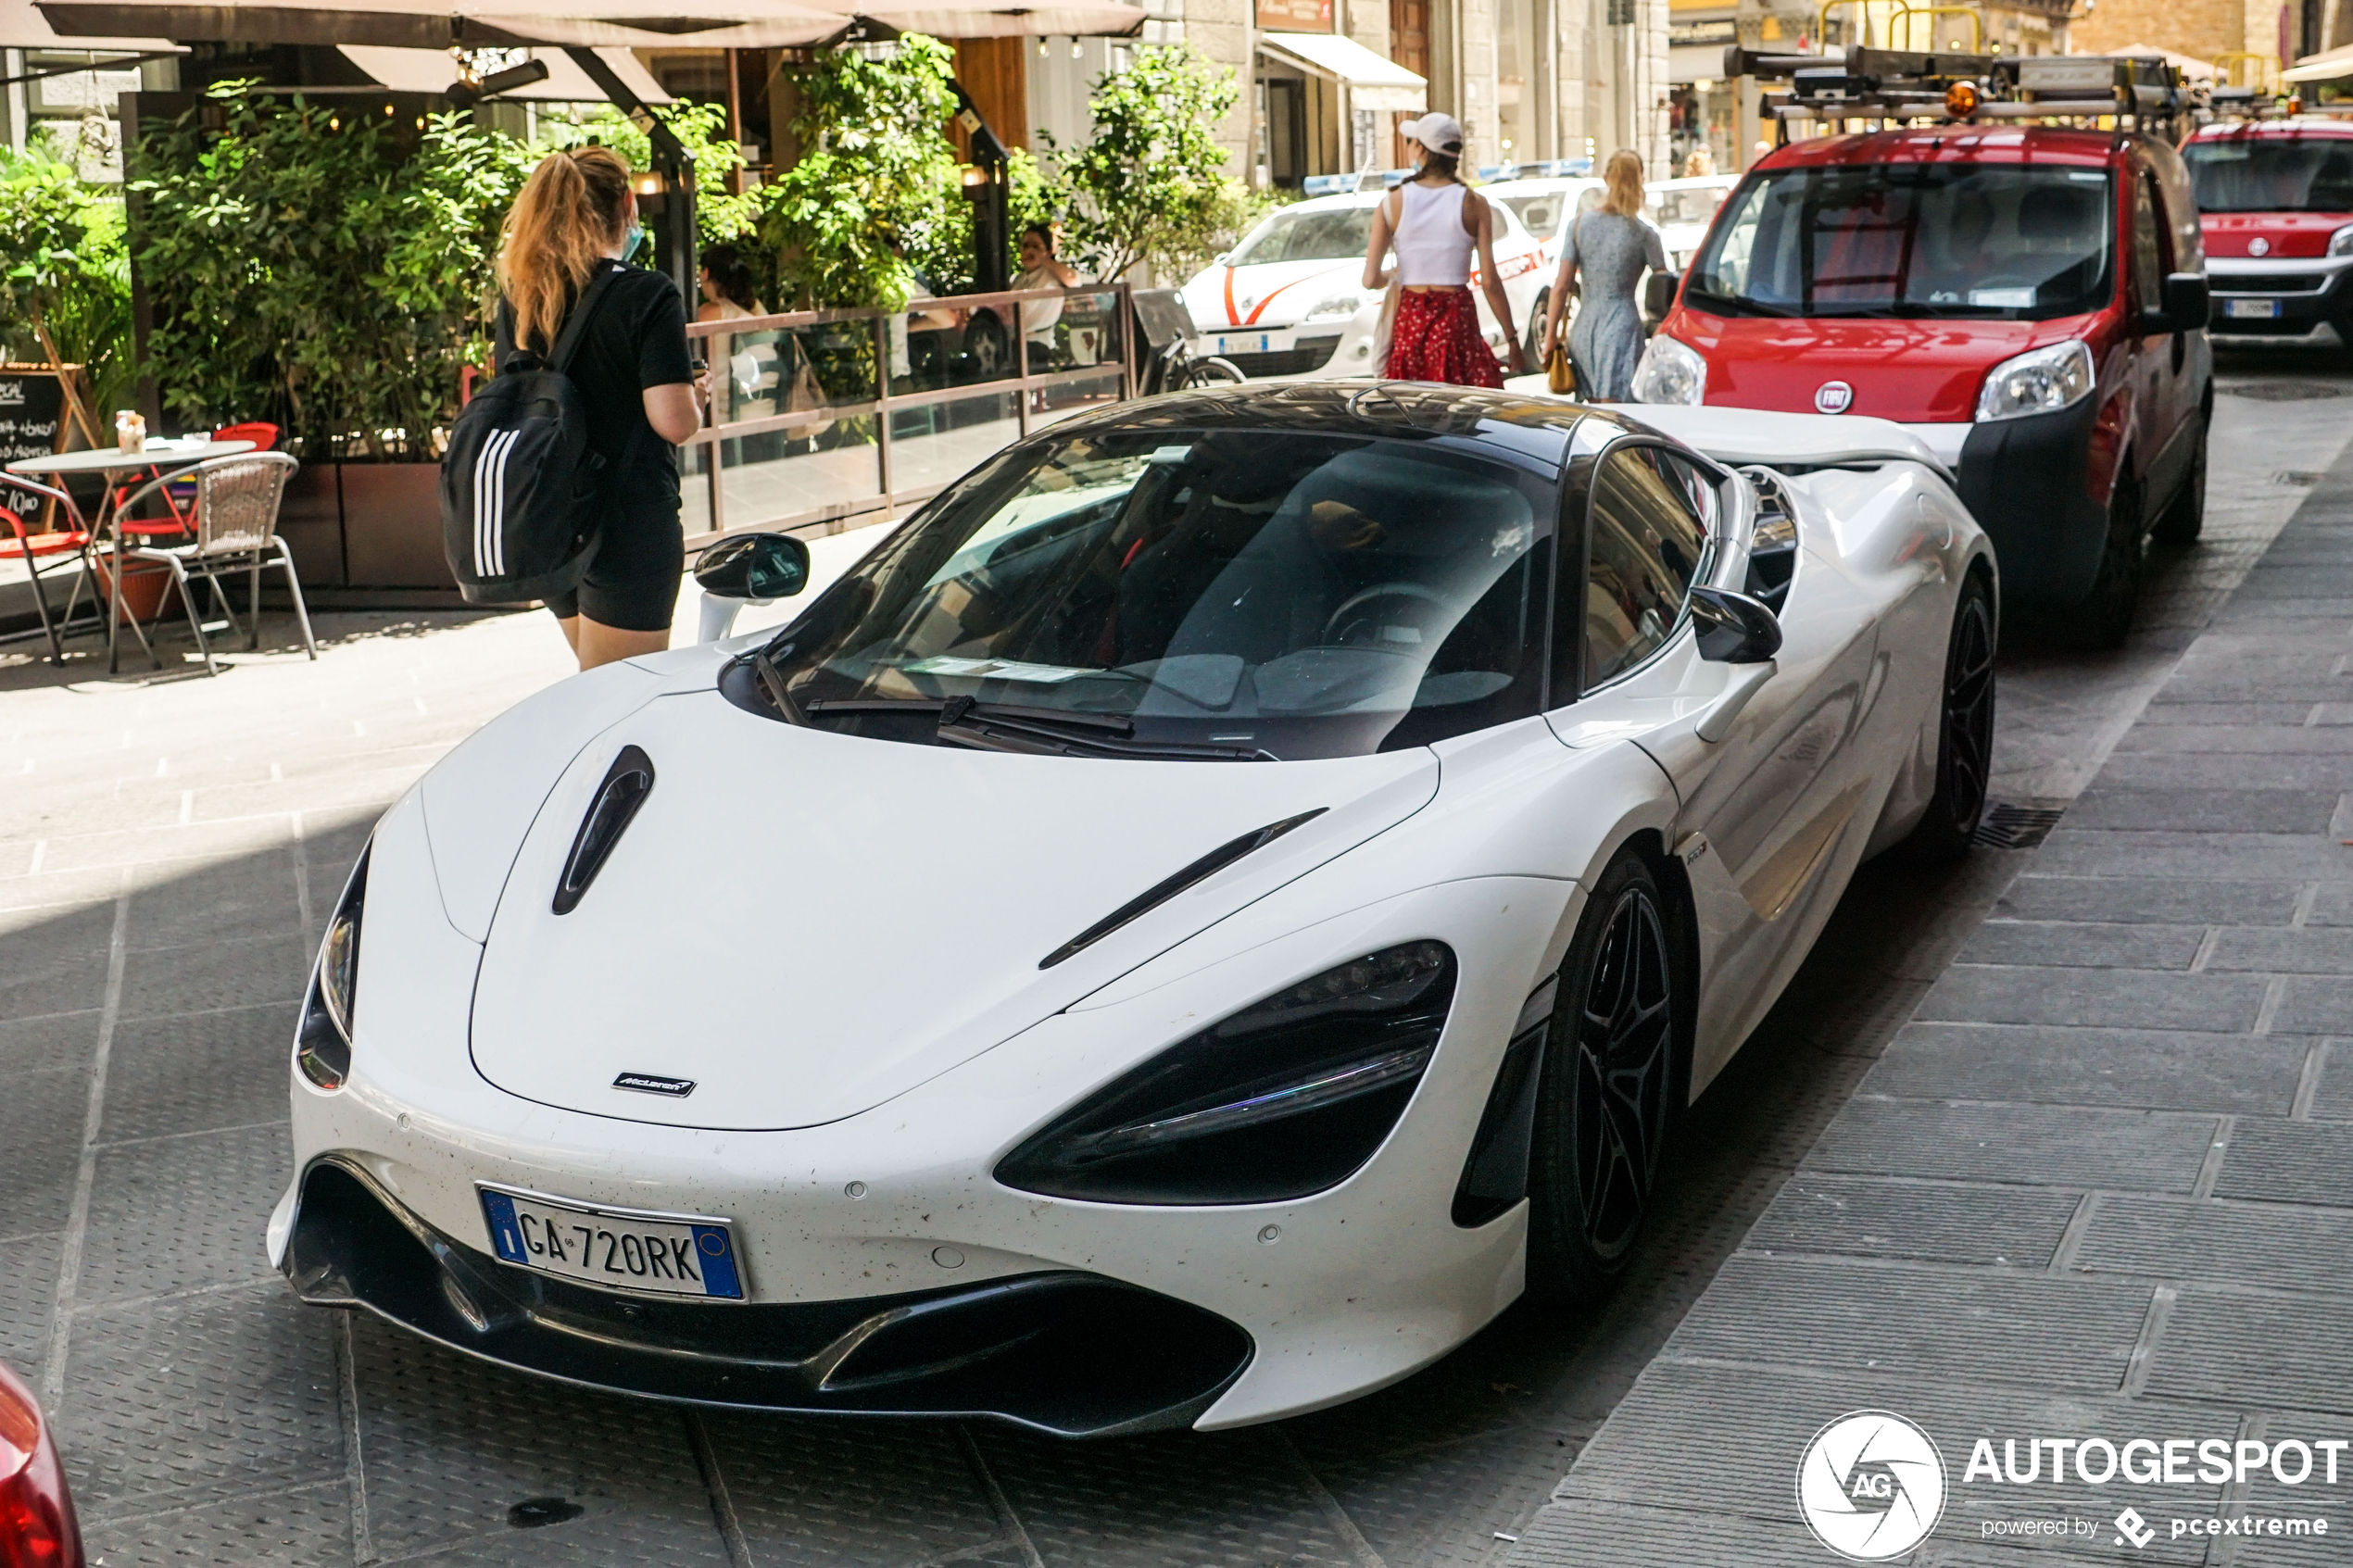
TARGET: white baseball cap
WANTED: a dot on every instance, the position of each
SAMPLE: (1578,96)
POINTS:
(1438,133)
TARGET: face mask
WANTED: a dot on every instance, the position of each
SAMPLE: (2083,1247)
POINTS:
(635,243)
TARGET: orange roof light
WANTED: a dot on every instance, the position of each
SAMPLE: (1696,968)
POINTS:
(1961,99)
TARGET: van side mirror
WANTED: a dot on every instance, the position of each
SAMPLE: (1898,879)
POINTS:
(2185,304)
(758,566)
(1658,294)
(1734,628)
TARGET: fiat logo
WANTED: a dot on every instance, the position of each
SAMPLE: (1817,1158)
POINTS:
(2259,246)
(1834,398)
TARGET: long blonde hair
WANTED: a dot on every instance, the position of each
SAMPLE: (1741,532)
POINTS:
(565,220)
(1622,183)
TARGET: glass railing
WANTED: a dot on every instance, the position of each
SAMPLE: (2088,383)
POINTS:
(824,420)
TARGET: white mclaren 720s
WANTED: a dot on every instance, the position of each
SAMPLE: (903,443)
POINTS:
(1227,897)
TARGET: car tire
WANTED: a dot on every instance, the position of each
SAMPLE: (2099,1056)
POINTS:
(1964,731)
(2106,614)
(2184,516)
(1612,1090)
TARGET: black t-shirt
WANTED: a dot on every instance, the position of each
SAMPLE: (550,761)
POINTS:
(637,339)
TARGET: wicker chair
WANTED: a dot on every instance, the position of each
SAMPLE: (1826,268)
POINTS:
(237,518)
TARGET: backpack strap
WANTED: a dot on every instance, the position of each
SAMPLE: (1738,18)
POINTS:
(567,341)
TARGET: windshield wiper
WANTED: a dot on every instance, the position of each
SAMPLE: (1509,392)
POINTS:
(1043,731)
(772,681)
(1736,305)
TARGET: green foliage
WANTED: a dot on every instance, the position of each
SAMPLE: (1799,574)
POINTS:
(63,265)
(719,213)
(1152,186)
(876,183)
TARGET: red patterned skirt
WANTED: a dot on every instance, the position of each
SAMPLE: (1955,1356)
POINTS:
(1436,338)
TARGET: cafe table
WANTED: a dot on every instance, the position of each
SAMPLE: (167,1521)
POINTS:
(123,470)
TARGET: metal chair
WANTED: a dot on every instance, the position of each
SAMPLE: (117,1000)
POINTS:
(22,543)
(236,518)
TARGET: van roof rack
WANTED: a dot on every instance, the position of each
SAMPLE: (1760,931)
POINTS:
(1955,87)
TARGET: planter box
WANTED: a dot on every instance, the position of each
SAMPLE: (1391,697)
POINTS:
(360,528)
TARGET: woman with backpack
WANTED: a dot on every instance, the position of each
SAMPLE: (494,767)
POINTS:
(576,219)
(1612,246)
(1436,223)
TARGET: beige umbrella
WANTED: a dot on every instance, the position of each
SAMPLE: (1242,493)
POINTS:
(2328,66)
(23,27)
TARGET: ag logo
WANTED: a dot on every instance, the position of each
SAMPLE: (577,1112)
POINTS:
(1871,1486)
(1834,398)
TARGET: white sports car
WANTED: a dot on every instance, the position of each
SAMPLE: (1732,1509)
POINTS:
(1229,896)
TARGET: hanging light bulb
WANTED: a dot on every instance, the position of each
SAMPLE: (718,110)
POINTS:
(1041,45)
(1075,51)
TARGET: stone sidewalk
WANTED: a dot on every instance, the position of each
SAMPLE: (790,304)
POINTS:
(2100,1184)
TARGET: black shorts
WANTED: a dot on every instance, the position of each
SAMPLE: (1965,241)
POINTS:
(631,581)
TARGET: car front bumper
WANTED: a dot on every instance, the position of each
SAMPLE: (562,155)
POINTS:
(2026,481)
(2267,301)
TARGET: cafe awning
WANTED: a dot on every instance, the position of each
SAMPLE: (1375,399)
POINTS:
(23,27)
(1373,80)
(2331,64)
(437,24)
(431,71)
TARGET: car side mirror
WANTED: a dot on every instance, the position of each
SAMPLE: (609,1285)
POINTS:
(1733,628)
(2185,304)
(758,566)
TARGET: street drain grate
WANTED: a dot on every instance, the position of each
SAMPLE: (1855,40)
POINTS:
(2006,827)
(2298,478)
(2284,390)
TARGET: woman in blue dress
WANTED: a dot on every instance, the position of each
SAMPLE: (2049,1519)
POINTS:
(1611,245)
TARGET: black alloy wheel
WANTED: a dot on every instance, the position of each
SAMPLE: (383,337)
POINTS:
(1612,1090)
(1964,731)
(2184,516)
(2106,614)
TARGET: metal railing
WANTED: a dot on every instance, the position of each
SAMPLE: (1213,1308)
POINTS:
(824,420)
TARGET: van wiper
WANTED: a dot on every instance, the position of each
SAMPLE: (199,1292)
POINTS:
(1735,305)
(1044,732)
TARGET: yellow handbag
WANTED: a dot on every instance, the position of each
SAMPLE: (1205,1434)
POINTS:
(1560,374)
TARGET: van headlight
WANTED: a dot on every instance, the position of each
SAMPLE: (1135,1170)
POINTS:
(2040,382)
(1338,307)
(322,1042)
(1671,371)
(1283,1098)
(2341,243)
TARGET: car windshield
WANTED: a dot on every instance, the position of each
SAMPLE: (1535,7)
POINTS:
(1326,234)
(1908,239)
(2273,174)
(1235,595)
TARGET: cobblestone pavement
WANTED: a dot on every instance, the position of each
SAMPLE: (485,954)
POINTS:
(1995,1209)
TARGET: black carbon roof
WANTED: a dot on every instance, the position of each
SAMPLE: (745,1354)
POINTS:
(1374,408)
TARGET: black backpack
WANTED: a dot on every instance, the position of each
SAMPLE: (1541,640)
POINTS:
(519,491)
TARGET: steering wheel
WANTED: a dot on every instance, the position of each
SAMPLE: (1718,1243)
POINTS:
(1338,626)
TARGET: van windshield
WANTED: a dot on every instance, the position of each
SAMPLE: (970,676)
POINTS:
(2273,174)
(1330,235)
(2003,240)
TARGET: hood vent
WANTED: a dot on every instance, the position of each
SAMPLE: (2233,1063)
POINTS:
(1209,865)
(627,783)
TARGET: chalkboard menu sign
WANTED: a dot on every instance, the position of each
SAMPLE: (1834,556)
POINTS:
(32,424)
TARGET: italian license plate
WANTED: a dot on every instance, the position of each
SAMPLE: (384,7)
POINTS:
(1247,343)
(614,1248)
(2260,309)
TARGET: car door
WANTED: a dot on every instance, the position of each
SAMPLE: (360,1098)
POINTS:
(2160,360)
(1768,799)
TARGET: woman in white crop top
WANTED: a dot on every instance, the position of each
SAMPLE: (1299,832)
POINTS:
(1434,223)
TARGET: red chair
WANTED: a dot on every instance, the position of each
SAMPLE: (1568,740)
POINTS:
(180,497)
(19,542)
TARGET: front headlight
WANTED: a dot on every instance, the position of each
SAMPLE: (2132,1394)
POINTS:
(1282,1100)
(2341,243)
(1338,307)
(1671,371)
(322,1042)
(2039,382)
